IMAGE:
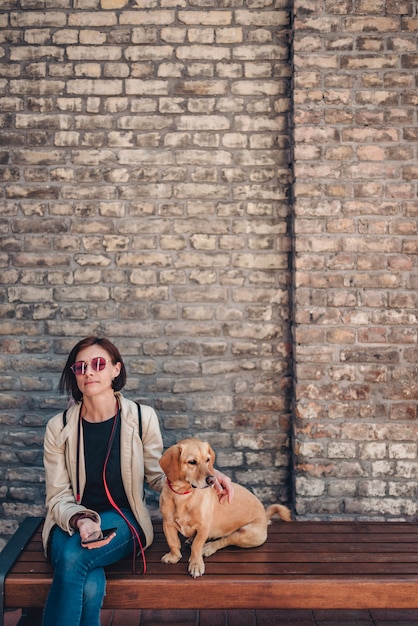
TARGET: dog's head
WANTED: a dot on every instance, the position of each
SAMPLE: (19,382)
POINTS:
(191,461)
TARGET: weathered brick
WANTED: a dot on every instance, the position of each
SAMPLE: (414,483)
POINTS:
(93,19)
(32,19)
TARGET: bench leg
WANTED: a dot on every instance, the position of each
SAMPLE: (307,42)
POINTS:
(11,552)
(31,617)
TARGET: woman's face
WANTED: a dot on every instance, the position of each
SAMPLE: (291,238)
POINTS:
(94,381)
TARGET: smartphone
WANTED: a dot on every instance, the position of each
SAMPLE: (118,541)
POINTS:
(99,538)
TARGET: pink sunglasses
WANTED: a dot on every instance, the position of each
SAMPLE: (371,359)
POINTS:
(97,365)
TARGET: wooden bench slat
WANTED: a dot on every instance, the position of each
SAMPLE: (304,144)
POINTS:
(274,559)
(247,592)
(271,570)
(353,537)
(375,552)
(334,569)
(345,526)
(253,593)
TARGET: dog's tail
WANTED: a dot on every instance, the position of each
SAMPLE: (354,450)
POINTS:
(278,509)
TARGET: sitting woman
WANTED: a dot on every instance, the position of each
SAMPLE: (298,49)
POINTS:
(96,462)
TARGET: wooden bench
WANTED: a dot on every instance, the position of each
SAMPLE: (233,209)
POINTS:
(303,565)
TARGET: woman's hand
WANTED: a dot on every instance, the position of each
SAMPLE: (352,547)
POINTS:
(87,527)
(224,487)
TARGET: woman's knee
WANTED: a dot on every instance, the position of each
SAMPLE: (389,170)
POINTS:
(94,586)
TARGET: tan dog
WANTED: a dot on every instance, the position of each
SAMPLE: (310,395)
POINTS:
(191,507)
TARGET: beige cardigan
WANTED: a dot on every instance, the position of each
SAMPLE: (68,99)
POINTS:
(139,463)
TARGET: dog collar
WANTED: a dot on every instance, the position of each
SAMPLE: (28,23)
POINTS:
(180,493)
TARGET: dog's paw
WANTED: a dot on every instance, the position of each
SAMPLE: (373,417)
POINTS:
(171,557)
(196,568)
(209,548)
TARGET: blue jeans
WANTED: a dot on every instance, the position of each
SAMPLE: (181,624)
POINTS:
(79,583)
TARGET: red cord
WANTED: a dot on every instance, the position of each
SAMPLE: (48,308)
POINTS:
(134,532)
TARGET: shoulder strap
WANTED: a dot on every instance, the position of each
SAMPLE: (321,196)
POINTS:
(139,419)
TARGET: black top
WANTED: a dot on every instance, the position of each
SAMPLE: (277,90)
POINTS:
(96,441)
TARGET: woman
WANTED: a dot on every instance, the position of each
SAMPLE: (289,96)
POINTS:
(96,461)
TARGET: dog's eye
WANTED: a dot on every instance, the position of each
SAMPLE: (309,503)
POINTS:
(192,462)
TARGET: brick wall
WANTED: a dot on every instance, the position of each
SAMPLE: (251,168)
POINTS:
(144,196)
(146,159)
(356,274)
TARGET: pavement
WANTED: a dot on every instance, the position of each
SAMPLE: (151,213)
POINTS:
(221,617)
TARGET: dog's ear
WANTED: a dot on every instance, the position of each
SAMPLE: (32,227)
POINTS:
(212,455)
(170,462)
